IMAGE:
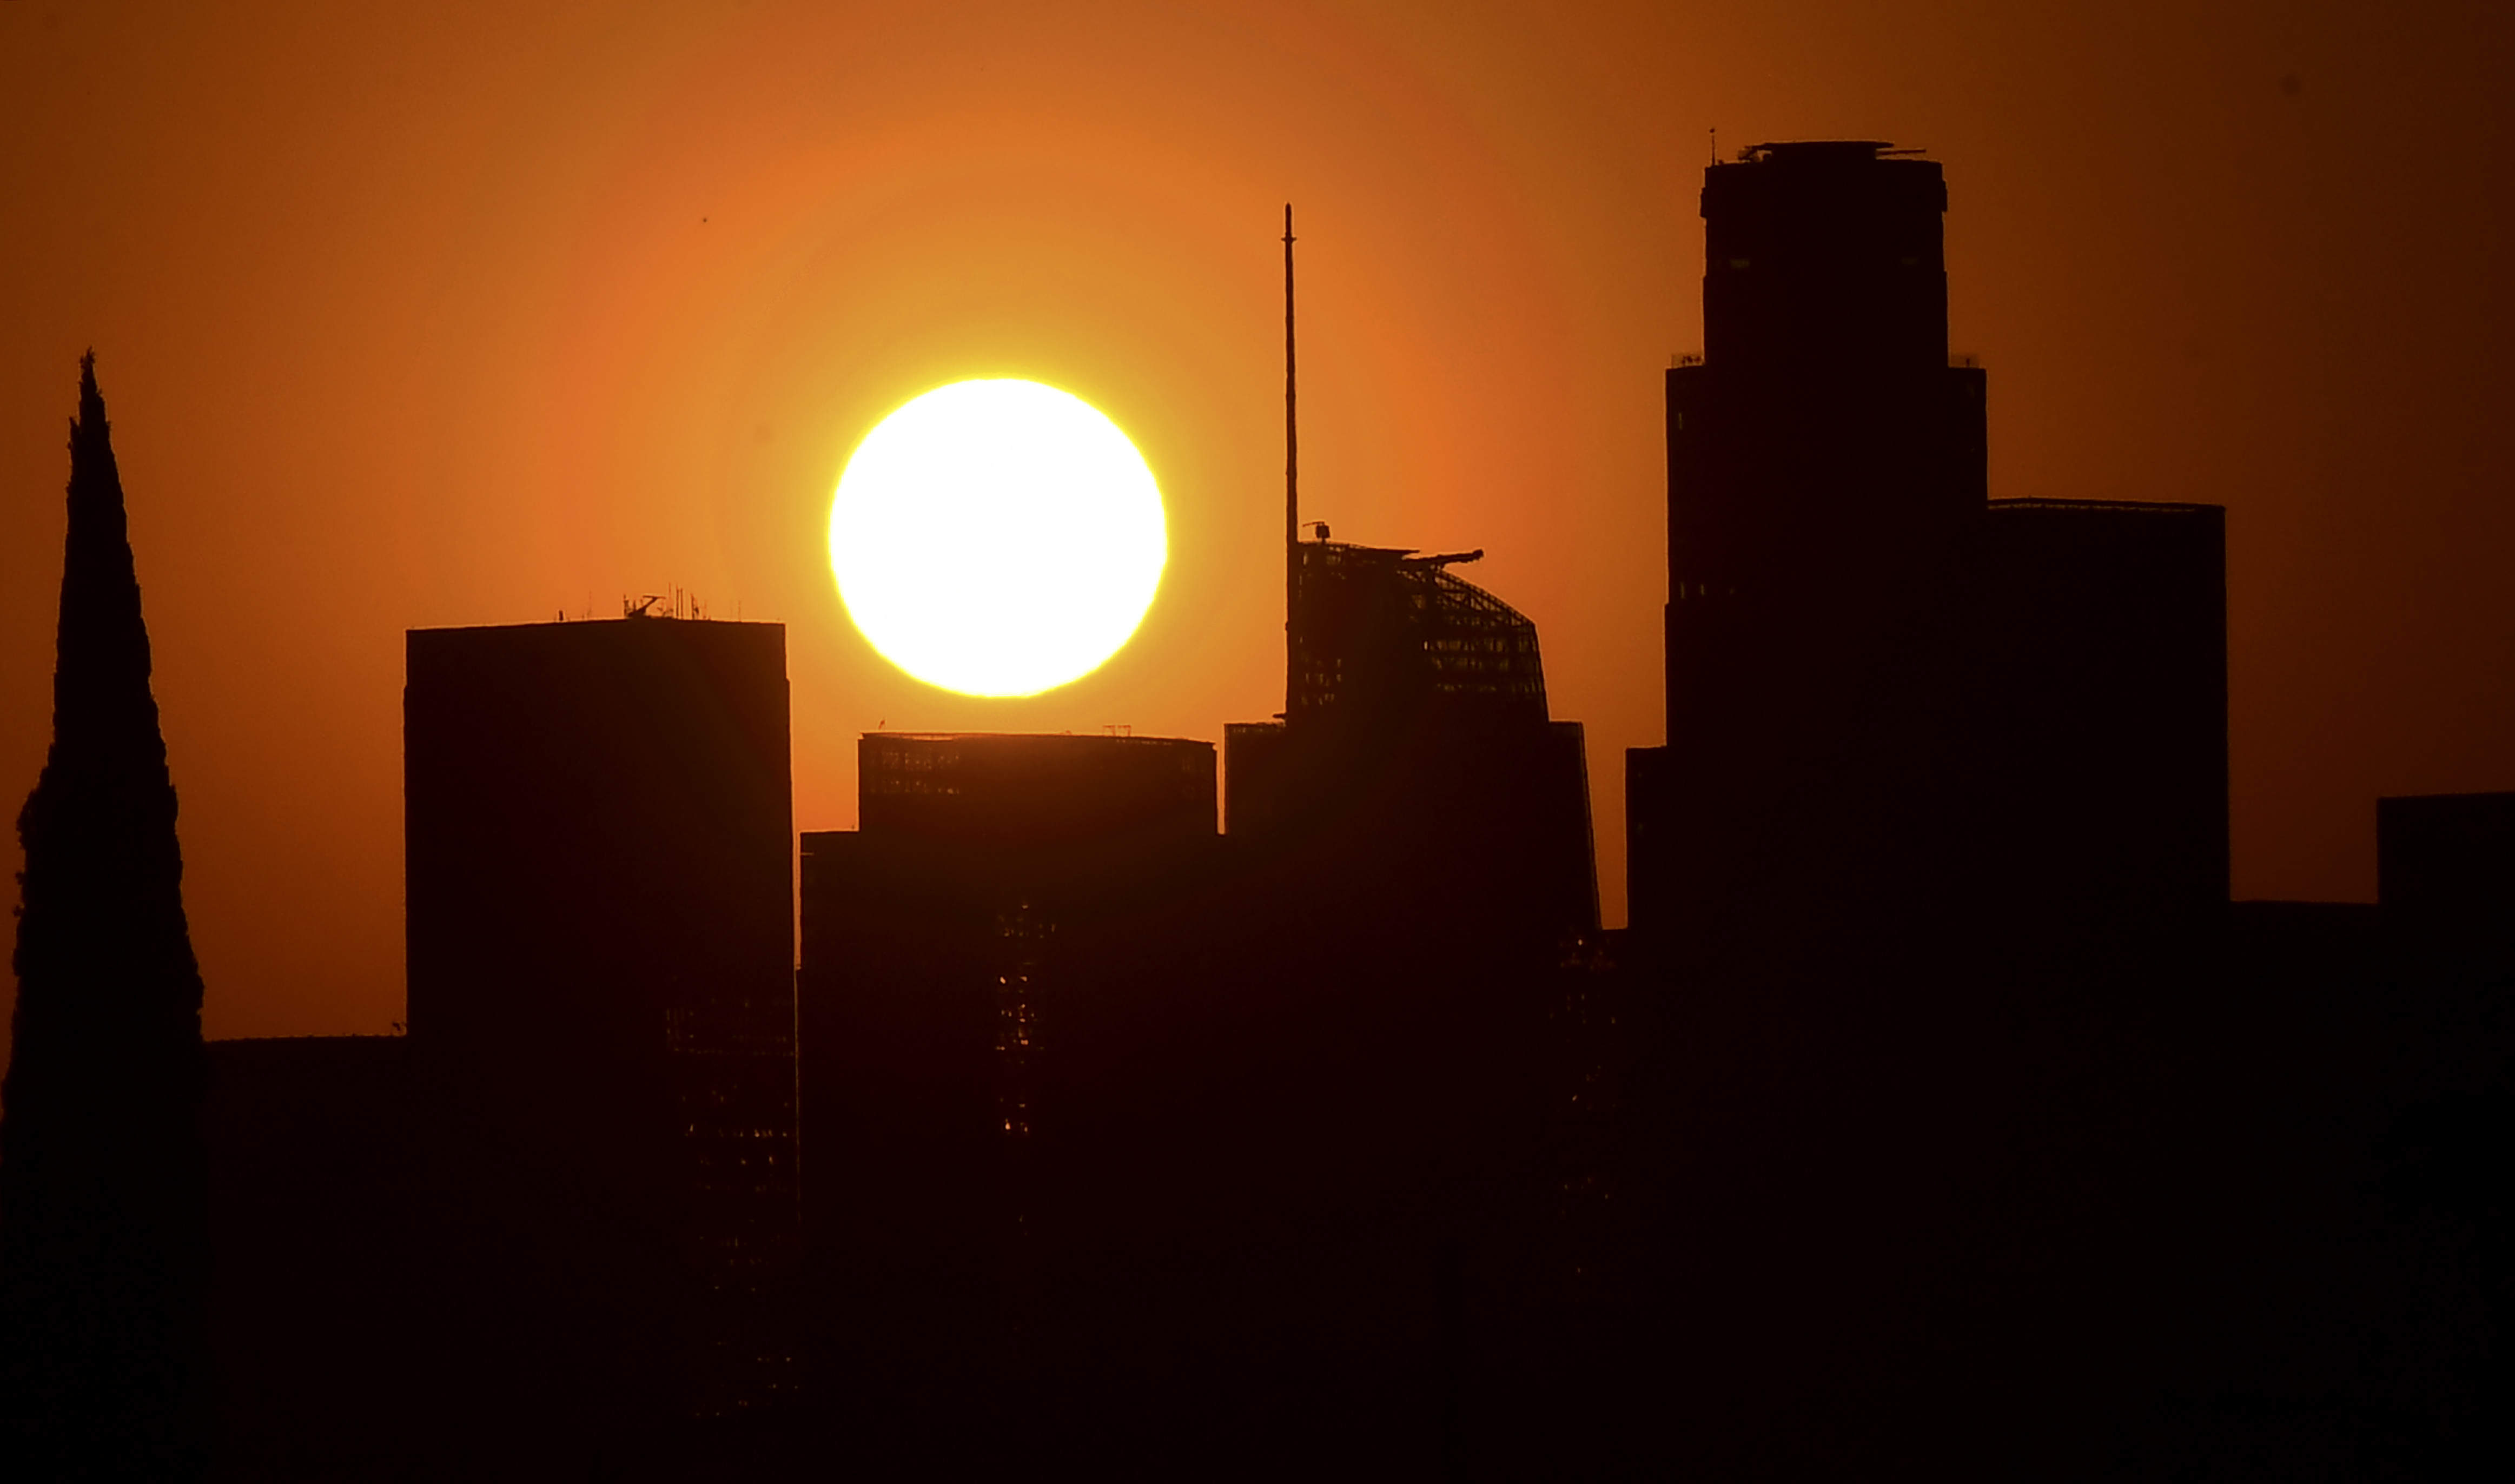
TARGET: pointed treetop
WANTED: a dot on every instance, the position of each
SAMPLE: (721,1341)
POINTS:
(89,432)
(101,682)
(93,470)
(103,1174)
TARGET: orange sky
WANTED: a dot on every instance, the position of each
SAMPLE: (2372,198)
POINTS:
(465,313)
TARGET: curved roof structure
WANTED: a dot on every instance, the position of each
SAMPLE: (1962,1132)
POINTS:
(1383,628)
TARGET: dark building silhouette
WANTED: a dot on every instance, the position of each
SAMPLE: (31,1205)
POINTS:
(2445,1122)
(2301,1176)
(1128,796)
(995,968)
(321,1251)
(1149,1144)
(1966,1130)
(1408,910)
(103,1222)
(1416,692)
(601,1004)
(1120,1157)
(1883,688)
(996,882)
(2103,690)
(1414,775)
(1826,472)
(2447,854)
(1805,846)
(1942,815)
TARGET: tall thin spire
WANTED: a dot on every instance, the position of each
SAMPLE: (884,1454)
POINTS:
(103,1208)
(1291,485)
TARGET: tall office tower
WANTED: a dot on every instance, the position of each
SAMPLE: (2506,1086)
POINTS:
(1408,854)
(1825,467)
(1917,746)
(1411,850)
(1800,844)
(1883,691)
(996,966)
(1804,848)
(601,1004)
(1413,775)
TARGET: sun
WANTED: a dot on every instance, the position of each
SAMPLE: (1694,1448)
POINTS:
(997,538)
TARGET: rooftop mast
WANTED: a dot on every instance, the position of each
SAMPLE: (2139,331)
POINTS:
(1291,485)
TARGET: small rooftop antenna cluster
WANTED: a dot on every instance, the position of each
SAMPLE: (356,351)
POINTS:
(678,602)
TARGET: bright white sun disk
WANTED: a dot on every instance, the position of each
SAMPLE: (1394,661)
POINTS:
(998,538)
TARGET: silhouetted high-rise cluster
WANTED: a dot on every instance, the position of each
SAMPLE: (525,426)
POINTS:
(103,1224)
(1142,1112)
(1965,1110)
(1885,688)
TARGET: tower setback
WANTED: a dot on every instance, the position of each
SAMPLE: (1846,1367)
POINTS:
(1825,469)
(1943,799)
(1885,691)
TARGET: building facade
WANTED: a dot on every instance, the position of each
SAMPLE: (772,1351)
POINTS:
(1942,805)
(998,967)
(602,1007)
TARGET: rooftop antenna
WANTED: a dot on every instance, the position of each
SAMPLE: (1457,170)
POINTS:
(1715,143)
(1292,481)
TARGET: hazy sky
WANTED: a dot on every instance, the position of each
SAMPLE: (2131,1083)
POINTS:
(466,314)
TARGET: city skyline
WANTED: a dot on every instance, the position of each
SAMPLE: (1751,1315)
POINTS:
(1128,1101)
(2208,239)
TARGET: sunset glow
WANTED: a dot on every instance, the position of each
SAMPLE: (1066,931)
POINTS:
(997,538)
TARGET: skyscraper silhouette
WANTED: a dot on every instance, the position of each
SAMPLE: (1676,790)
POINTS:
(1413,773)
(103,1217)
(1826,475)
(1409,862)
(601,1006)
(1883,690)
(995,970)
(1944,781)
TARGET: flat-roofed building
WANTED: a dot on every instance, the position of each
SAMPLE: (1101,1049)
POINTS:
(992,965)
(602,1007)
(321,1260)
(1942,808)
(2447,854)
(2103,695)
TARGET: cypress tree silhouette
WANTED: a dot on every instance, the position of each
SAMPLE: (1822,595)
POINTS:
(104,1225)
